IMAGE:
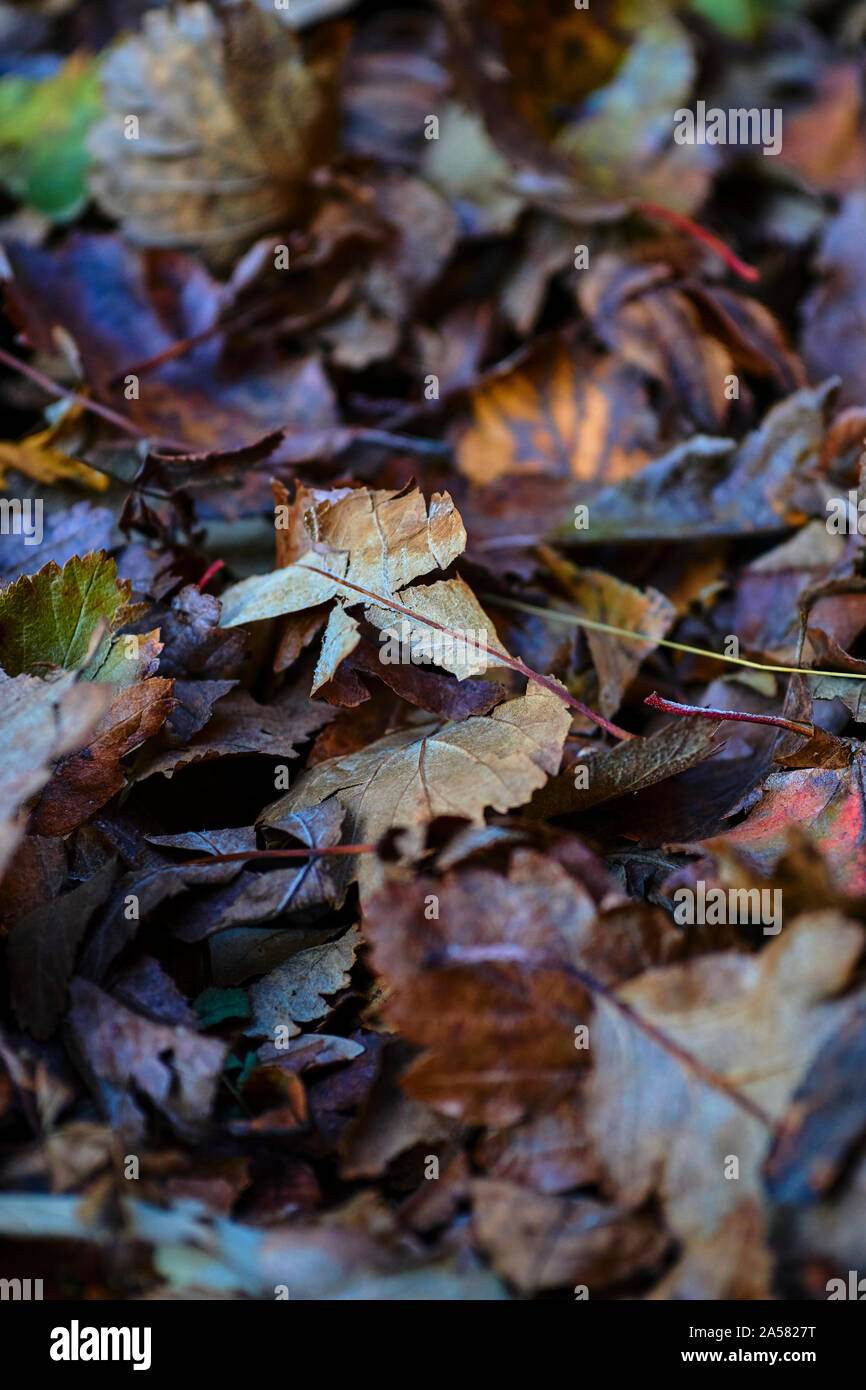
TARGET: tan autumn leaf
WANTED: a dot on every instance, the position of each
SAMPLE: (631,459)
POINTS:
(39,722)
(451,604)
(604,599)
(665,1131)
(374,538)
(295,991)
(458,769)
(373,543)
(230,119)
(562,415)
(543,1242)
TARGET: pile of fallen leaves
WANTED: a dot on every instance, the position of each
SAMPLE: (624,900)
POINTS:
(417,590)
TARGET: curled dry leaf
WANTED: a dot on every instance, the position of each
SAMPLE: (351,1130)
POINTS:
(376,542)
(40,721)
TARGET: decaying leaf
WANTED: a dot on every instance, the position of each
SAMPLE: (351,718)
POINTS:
(175,1068)
(487,975)
(568,414)
(406,779)
(431,800)
(41,720)
(373,544)
(662,1125)
(228,120)
(294,992)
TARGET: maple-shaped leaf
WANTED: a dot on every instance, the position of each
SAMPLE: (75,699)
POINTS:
(50,618)
(692,1066)
(358,544)
(229,119)
(294,992)
(408,778)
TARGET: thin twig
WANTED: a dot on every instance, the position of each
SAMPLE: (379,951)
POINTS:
(209,574)
(65,393)
(500,658)
(702,235)
(244,854)
(738,716)
(575,620)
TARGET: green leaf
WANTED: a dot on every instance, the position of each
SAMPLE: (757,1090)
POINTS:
(50,619)
(43,129)
(743,19)
(215,1005)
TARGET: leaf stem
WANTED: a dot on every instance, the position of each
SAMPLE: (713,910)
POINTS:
(671,707)
(209,574)
(65,393)
(279,854)
(575,620)
(702,235)
(501,658)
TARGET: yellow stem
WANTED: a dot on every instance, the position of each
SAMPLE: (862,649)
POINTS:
(573,620)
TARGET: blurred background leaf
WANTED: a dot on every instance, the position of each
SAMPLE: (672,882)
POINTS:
(43,130)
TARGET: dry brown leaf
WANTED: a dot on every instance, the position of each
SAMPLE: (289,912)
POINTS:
(662,1129)
(489,985)
(544,1242)
(230,120)
(40,458)
(603,599)
(293,993)
(40,721)
(410,777)
(87,779)
(176,1068)
(564,415)
(377,541)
